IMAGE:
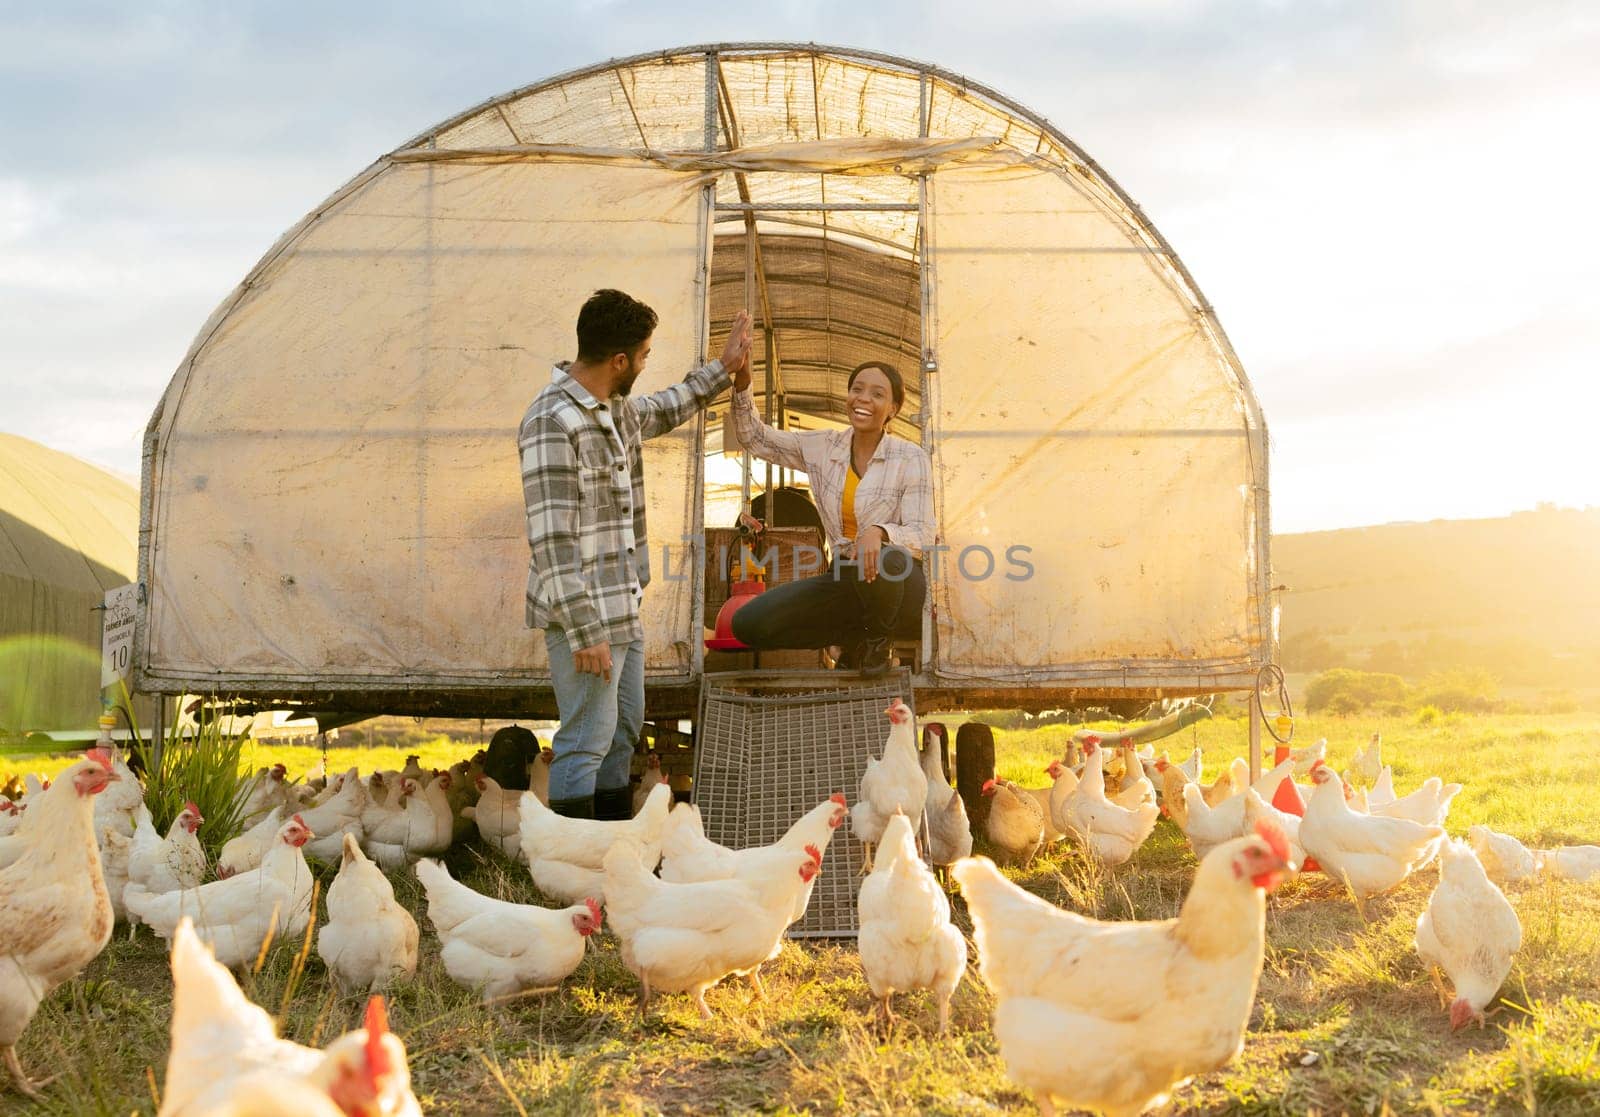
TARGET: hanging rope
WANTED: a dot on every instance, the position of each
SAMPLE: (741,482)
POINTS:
(1272,675)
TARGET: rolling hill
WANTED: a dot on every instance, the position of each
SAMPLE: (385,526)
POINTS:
(1518,596)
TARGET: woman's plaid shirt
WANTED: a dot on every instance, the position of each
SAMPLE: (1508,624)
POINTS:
(583,485)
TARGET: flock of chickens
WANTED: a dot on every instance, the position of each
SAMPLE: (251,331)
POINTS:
(1074,997)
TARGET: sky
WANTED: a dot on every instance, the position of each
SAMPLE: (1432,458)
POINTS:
(1389,204)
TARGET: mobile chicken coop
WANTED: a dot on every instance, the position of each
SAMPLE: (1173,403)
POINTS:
(332,514)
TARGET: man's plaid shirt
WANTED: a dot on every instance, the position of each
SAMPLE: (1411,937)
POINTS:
(583,485)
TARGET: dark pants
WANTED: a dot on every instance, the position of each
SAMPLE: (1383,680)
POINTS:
(838,607)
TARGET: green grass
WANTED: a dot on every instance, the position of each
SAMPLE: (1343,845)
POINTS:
(1346,1020)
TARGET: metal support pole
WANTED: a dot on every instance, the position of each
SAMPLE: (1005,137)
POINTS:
(1255,737)
(158,731)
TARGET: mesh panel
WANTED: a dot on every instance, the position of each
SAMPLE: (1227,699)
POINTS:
(764,759)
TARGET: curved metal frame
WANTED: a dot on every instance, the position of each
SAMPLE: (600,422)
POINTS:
(1086,165)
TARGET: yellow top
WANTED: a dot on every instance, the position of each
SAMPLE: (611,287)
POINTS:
(847,505)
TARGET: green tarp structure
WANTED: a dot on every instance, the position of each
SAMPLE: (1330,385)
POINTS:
(68,532)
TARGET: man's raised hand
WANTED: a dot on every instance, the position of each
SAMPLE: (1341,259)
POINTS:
(736,353)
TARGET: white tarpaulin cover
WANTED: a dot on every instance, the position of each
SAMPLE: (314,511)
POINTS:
(332,492)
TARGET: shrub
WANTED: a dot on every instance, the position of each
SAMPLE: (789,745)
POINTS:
(1345,690)
(202,764)
(1428,715)
(1469,690)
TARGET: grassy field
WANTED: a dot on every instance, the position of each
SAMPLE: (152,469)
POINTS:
(1346,1020)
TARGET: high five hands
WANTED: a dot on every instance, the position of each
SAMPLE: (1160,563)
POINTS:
(736,354)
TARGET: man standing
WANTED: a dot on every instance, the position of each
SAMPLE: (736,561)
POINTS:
(583,484)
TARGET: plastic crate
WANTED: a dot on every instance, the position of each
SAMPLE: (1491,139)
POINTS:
(765,756)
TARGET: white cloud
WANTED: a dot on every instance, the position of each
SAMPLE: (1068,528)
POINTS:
(1388,204)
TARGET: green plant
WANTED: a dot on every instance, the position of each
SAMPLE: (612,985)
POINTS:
(1345,690)
(199,763)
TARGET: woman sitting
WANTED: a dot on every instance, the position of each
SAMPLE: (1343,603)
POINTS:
(875,494)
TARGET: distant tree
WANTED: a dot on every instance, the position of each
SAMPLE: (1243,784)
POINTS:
(1345,690)
(1312,651)
(1468,690)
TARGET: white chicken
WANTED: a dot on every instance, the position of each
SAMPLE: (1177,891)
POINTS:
(369,939)
(169,864)
(498,814)
(1309,756)
(226,1055)
(1136,788)
(410,825)
(1506,860)
(267,789)
(539,776)
(893,782)
(430,843)
(245,851)
(1369,853)
(684,938)
(1428,804)
(949,829)
(115,846)
(499,947)
(1367,763)
(236,916)
(688,855)
(114,808)
(1113,1016)
(651,776)
(55,913)
(1110,832)
(1470,931)
(1041,796)
(566,855)
(1208,827)
(1577,863)
(334,818)
(10,817)
(1257,809)
(906,940)
(1015,825)
(1381,794)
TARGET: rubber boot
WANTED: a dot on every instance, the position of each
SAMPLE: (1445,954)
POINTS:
(580,807)
(613,804)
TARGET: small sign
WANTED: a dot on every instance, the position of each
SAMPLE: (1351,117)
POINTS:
(116,643)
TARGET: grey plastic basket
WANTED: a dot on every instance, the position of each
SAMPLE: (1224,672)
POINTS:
(765,756)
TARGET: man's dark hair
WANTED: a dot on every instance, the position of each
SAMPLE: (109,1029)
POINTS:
(611,323)
(897,387)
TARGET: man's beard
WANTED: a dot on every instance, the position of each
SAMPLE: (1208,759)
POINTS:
(625,386)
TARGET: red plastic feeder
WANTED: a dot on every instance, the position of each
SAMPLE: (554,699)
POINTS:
(1287,799)
(743,593)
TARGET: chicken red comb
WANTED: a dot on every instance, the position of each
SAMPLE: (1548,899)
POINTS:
(1127,742)
(281,769)
(1271,833)
(379,1065)
(838,797)
(815,854)
(298,821)
(1091,739)
(1053,769)
(190,807)
(988,787)
(1163,764)
(99,756)
(594,909)
(1318,763)
(1091,745)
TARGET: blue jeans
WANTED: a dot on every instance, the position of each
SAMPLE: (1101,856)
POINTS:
(600,721)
